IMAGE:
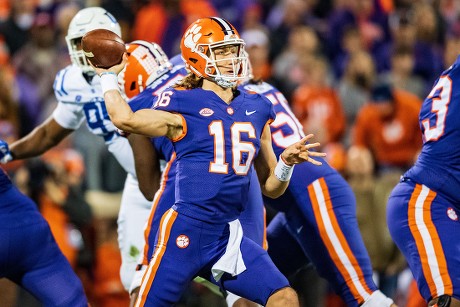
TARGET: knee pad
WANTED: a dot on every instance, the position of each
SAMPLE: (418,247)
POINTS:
(443,301)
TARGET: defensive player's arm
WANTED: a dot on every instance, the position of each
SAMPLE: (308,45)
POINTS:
(39,140)
(268,169)
(147,165)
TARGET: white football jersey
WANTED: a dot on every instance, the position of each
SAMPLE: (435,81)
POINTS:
(78,101)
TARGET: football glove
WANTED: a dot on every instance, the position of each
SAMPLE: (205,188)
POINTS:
(5,153)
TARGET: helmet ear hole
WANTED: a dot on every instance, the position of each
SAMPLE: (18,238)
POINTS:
(133,86)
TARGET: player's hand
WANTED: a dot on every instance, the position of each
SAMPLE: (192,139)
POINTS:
(5,153)
(299,152)
(115,69)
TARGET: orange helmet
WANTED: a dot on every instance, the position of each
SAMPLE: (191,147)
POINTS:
(199,43)
(146,63)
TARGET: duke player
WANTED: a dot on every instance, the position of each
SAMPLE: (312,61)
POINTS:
(139,87)
(423,209)
(29,256)
(217,132)
(80,99)
(317,218)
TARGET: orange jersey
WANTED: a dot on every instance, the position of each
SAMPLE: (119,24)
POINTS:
(394,141)
(320,107)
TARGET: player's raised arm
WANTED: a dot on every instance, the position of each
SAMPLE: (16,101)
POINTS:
(275,176)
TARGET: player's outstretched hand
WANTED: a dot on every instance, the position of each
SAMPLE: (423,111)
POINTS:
(5,153)
(299,152)
(116,69)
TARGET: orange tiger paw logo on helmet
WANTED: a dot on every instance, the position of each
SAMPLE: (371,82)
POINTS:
(192,36)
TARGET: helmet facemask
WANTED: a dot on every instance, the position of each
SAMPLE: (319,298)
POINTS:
(199,44)
(77,56)
(87,19)
(217,59)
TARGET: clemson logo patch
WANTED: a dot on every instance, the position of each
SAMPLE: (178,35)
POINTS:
(206,112)
(182,241)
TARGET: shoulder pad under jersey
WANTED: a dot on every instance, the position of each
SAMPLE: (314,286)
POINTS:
(260,88)
(70,86)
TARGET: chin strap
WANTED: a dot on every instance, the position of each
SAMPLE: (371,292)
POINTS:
(225,83)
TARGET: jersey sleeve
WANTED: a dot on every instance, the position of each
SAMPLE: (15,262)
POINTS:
(144,100)
(270,108)
(69,116)
(272,115)
(169,100)
(69,111)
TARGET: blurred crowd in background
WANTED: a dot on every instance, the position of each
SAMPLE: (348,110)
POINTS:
(354,71)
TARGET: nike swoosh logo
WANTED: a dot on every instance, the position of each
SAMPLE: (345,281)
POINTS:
(250,113)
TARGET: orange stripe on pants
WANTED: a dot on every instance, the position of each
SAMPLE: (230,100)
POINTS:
(335,241)
(427,240)
(164,232)
(156,200)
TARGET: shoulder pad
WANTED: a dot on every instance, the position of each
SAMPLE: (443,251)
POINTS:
(70,86)
(258,88)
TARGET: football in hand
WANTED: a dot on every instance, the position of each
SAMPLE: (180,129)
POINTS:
(103,48)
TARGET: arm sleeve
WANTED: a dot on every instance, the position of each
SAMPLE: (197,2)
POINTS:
(144,100)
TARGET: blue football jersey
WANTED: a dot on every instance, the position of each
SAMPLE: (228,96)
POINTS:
(39,263)
(147,97)
(252,218)
(318,208)
(216,151)
(438,165)
(285,131)
(5,182)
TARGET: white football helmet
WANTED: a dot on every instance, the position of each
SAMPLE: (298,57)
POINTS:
(84,21)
